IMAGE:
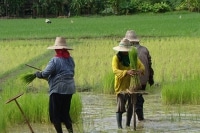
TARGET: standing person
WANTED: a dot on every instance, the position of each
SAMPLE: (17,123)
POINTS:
(145,57)
(60,75)
(123,72)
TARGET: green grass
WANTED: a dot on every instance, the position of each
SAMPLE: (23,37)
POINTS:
(98,26)
(181,92)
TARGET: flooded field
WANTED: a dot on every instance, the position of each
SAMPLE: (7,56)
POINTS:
(99,117)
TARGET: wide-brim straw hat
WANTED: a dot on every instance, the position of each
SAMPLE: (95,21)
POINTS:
(124,46)
(60,43)
(131,36)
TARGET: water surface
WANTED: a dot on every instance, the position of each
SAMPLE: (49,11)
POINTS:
(99,117)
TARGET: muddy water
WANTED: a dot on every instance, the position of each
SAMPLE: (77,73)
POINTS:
(99,117)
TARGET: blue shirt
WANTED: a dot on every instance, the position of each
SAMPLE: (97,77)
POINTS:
(60,74)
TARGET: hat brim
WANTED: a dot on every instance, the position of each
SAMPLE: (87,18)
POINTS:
(134,40)
(122,49)
(59,47)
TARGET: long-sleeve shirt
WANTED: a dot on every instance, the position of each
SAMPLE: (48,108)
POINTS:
(122,80)
(60,74)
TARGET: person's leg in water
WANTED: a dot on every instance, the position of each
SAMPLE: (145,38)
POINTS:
(121,100)
(58,127)
(54,107)
(139,105)
(119,119)
(129,112)
(65,112)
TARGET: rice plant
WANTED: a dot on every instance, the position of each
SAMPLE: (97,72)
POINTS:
(134,82)
(107,83)
(181,92)
(84,27)
(28,78)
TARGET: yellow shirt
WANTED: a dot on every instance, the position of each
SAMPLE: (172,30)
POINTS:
(122,80)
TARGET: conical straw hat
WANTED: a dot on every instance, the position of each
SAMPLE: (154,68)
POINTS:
(124,46)
(131,36)
(60,43)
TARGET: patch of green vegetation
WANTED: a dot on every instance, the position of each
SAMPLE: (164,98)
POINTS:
(181,92)
(169,24)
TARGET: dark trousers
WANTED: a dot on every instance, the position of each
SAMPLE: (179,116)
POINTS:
(59,107)
(139,105)
(124,104)
(138,109)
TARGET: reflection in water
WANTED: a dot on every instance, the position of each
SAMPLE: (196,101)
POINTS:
(99,117)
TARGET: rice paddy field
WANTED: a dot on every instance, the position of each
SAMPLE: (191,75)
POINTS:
(173,42)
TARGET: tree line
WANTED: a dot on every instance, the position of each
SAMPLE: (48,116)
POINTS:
(55,8)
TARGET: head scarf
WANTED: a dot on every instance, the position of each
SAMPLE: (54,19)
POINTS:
(123,58)
(62,53)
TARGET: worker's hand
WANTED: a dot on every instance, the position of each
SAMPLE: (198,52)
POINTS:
(38,74)
(133,72)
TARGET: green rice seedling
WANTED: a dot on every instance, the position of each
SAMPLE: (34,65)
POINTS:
(76,108)
(37,110)
(87,26)
(133,58)
(28,78)
(3,117)
(108,83)
(181,92)
(35,107)
(16,53)
(135,82)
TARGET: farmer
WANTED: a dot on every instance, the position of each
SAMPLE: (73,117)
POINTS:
(145,57)
(60,75)
(123,73)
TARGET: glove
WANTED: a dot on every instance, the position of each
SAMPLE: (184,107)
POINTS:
(38,74)
(151,73)
(151,81)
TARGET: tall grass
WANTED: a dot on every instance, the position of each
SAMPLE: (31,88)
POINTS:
(15,52)
(3,121)
(107,83)
(181,92)
(93,62)
(93,57)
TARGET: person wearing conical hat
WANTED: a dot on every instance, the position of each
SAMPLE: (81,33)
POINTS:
(60,75)
(123,72)
(145,57)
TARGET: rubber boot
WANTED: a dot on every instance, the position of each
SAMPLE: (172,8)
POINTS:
(119,120)
(58,128)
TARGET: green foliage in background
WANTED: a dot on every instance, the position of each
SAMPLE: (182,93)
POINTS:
(67,8)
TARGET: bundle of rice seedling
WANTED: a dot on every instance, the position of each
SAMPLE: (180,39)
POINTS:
(28,78)
(135,81)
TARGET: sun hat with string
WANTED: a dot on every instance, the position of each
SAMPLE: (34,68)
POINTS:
(60,43)
(131,36)
(124,46)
